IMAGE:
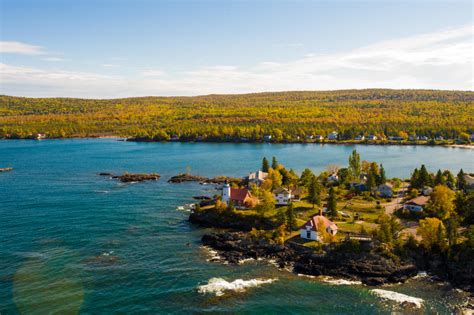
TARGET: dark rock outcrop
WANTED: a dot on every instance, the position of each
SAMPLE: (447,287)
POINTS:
(182,178)
(370,268)
(128,177)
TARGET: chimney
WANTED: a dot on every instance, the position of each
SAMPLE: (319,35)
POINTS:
(321,211)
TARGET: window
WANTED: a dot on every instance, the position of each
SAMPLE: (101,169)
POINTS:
(308,234)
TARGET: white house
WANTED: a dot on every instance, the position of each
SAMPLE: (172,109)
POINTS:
(310,229)
(360,138)
(426,191)
(267,138)
(372,137)
(416,204)
(332,136)
(385,190)
(257,178)
(240,197)
(333,178)
(319,138)
(282,196)
(439,138)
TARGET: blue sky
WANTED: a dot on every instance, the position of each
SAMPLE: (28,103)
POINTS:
(127,48)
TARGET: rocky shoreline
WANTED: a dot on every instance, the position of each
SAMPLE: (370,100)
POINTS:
(130,177)
(182,178)
(368,267)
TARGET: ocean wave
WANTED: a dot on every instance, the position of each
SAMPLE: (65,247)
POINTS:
(398,297)
(335,281)
(219,286)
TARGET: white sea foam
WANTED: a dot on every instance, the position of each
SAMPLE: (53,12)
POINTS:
(335,281)
(398,297)
(219,286)
(243,261)
(213,255)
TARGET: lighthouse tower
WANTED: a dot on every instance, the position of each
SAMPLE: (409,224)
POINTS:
(226,193)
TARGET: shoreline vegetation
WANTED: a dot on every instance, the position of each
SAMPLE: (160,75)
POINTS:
(371,116)
(388,229)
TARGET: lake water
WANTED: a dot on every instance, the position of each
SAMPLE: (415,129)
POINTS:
(71,240)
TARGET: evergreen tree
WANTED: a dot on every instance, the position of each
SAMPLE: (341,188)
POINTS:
(314,191)
(424,177)
(414,181)
(354,164)
(439,178)
(291,218)
(461,181)
(371,181)
(274,163)
(332,203)
(306,178)
(382,179)
(281,217)
(265,165)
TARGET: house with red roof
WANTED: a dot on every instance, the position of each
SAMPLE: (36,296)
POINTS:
(241,198)
(310,230)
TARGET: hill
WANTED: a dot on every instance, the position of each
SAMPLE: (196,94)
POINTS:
(284,115)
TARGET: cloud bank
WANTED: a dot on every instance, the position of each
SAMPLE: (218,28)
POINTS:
(438,60)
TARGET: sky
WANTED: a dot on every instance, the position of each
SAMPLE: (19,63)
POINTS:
(117,48)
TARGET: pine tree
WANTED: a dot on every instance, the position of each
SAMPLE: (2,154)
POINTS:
(424,177)
(414,181)
(461,181)
(354,164)
(382,179)
(332,203)
(290,218)
(274,163)
(439,179)
(265,165)
(314,191)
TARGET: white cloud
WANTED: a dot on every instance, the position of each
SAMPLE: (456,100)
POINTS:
(152,73)
(439,60)
(110,65)
(52,59)
(20,48)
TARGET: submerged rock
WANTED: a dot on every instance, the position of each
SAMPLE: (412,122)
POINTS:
(6,169)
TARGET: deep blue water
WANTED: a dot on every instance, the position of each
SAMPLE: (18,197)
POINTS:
(72,241)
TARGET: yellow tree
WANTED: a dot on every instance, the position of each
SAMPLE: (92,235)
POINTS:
(441,203)
(432,232)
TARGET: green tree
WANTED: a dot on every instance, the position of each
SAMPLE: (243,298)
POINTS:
(354,164)
(265,165)
(382,179)
(439,178)
(306,178)
(281,217)
(389,229)
(461,181)
(314,192)
(274,163)
(424,178)
(266,204)
(332,203)
(291,218)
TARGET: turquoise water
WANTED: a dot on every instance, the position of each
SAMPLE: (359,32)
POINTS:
(74,241)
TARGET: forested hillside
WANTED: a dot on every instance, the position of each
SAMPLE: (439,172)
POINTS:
(284,115)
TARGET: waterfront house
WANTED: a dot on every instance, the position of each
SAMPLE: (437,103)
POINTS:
(282,196)
(424,138)
(267,138)
(240,197)
(372,137)
(413,138)
(385,190)
(174,138)
(360,138)
(310,230)
(426,191)
(439,138)
(257,178)
(309,137)
(319,138)
(39,136)
(416,204)
(332,136)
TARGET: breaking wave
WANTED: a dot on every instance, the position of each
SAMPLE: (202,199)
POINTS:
(219,286)
(334,281)
(398,297)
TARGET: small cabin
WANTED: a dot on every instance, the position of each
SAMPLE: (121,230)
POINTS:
(310,230)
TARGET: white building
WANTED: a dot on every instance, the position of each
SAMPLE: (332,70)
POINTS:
(282,196)
(360,138)
(333,178)
(310,229)
(372,137)
(257,178)
(416,204)
(332,136)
